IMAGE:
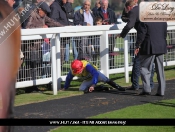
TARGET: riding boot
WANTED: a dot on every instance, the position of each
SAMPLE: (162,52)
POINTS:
(114,85)
(101,88)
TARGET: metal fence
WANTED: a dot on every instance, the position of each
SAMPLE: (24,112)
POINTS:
(49,52)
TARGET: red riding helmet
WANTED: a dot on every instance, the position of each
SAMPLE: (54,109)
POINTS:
(76,66)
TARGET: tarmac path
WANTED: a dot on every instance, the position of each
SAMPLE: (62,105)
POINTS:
(86,105)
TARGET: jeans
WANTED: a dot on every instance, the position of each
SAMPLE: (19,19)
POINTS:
(136,73)
(74,50)
(46,70)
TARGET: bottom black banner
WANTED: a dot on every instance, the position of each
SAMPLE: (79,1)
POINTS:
(86,122)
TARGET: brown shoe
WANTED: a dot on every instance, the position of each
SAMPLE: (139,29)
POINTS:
(159,95)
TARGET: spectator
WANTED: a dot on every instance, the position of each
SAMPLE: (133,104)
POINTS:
(108,17)
(98,22)
(90,75)
(84,17)
(46,58)
(96,47)
(132,10)
(97,5)
(67,5)
(107,14)
(58,13)
(33,7)
(39,18)
(152,44)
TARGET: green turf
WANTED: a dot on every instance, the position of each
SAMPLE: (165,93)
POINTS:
(39,97)
(163,109)
(48,95)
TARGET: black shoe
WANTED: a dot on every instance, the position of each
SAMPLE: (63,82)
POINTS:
(101,88)
(114,85)
(120,88)
(144,93)
(132,88)
(159,95)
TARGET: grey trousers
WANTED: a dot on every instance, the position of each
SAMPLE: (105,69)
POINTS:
(146,62)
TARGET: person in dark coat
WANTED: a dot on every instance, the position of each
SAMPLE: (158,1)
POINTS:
(132,11)
(97,5)
(152,44)
(58,13)
(67,5)
(106,13)
(69,11)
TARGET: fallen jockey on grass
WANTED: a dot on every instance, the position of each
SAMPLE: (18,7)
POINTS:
(91,76)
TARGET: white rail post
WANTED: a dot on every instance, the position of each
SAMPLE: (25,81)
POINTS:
(126,59)
(53,58)
(104,53)
(58,61)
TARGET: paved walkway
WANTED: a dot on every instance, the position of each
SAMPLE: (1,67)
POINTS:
(86,105)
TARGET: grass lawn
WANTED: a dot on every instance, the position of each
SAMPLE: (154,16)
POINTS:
(48,95)
(163,109)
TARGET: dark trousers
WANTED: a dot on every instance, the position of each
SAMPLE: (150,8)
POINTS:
(136,73)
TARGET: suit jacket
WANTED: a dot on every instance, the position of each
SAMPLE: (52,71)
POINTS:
(133,21)
(151,38)
(111,15)
(79,18)
(58,13)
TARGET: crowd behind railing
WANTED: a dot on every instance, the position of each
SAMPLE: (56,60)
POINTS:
(36,58)
(58,13)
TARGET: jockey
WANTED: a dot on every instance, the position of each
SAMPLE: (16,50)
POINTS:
(89,73)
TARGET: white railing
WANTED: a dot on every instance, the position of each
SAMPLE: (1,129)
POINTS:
(123,60)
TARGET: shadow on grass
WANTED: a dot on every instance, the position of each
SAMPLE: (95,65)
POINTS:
(118,77)
(73,89)
(161,103)
(47,93)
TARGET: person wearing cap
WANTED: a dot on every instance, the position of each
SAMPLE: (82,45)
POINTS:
(39,18)
(91,76)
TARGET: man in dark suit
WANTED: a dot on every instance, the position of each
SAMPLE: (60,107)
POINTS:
(132,18)
(152,44)
(106,13)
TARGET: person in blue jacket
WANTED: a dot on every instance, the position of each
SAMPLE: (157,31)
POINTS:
(91,76)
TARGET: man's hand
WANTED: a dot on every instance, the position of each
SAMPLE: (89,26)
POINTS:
(136,51)
(91,88)
(45,26)
(117,36)
(88,24)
